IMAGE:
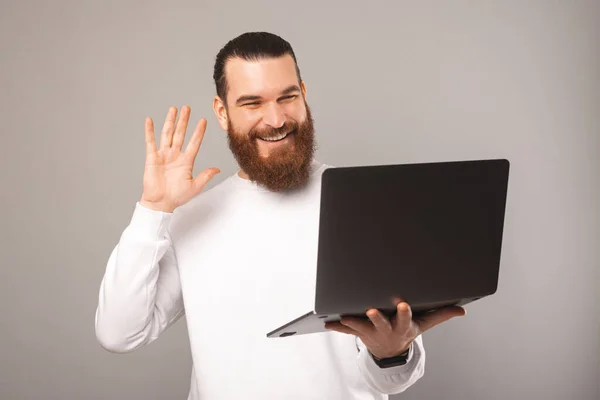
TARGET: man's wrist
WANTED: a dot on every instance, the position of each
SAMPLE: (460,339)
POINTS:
(394,361)
(404,352)
(157,206)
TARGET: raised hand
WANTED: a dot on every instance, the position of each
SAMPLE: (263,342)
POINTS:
(168,180)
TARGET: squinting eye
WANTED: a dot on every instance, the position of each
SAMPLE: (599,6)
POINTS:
(289,97)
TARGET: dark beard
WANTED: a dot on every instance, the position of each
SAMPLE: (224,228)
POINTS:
(282,170)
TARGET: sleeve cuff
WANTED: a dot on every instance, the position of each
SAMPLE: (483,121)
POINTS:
(415,362)
(369,362)
(150,224)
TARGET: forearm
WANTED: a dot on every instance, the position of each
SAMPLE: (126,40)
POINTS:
(137,300)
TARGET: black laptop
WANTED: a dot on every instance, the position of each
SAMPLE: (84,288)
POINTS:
(427,233)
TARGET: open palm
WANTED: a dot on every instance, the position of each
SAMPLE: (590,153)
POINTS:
(168,173)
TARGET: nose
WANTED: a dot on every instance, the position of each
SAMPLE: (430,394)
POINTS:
(274,116)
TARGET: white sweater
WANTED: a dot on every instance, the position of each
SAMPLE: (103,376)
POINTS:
(238,261)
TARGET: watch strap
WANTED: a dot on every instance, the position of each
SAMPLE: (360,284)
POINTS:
(389,362)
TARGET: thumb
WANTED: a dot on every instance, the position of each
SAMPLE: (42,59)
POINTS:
(203,178)
(436,317)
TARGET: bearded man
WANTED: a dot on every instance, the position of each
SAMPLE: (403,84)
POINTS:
(240,258)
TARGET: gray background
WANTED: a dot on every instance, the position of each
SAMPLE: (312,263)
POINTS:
(388,82)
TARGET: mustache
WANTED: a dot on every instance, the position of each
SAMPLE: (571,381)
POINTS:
(288,126)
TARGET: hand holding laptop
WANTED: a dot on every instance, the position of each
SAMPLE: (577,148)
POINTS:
(390,337)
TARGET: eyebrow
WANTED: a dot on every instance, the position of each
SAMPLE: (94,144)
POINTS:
(288,90)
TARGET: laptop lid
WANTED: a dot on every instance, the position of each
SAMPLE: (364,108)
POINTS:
(427,233)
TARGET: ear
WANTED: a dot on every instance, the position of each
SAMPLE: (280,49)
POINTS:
(220,112)
(303,87)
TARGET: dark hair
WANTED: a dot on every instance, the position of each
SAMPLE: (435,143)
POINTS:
(250,46)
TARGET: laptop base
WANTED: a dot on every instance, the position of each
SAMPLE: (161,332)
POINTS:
(313,322)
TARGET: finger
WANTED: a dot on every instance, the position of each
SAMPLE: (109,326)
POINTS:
(403,316)
(398,299)
(196,139)
(166,136)
(202,179)
(360,326)
(338,327)
(182,123)
(381,322)
(149,131)
(436,317)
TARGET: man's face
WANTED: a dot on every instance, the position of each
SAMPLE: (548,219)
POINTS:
(269,124)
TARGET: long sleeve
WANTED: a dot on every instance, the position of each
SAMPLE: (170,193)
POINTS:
(140,294)
(393,380)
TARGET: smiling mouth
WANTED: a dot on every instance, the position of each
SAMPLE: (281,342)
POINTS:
(277,138)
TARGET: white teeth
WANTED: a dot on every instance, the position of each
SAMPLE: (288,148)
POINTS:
(275,138)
